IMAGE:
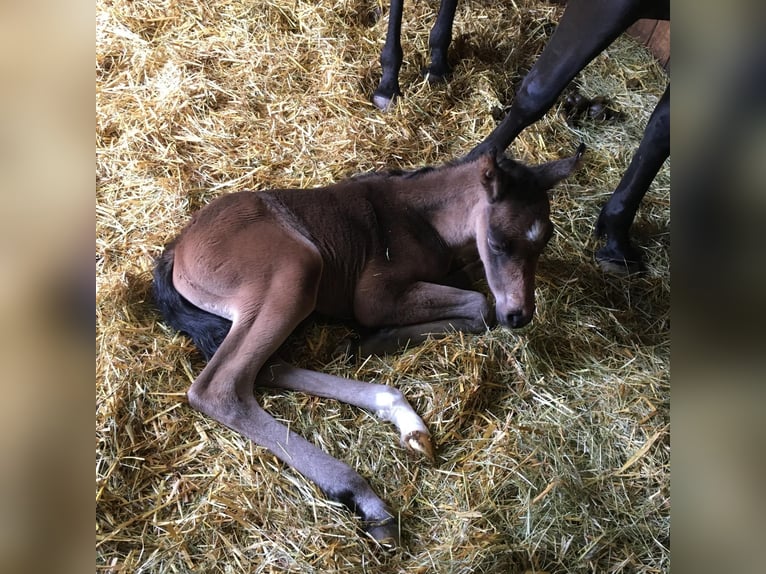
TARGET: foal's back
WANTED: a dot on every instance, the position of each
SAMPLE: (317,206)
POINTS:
(349,226)
(374,221)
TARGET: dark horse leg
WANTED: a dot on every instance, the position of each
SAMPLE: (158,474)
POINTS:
(391,55)
(586,28)
(439,41)
(390,58)
(616,217)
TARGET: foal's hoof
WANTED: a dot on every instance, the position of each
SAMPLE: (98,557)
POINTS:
(419,442)
(348,347)
(385,533)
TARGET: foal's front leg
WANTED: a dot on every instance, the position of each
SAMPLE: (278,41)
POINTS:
(421,310)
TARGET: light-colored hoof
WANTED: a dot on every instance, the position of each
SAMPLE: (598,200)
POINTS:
(419,442)
(383,103)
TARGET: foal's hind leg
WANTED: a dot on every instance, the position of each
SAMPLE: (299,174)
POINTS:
(388,403)
(224,391)
(423,309)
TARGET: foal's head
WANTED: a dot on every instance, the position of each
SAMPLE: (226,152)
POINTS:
(513,227)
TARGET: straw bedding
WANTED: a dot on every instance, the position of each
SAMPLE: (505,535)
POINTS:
(553,441)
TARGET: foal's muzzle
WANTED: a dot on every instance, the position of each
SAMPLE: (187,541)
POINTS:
(515,318)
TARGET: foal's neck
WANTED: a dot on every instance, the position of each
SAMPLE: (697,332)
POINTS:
(449,198)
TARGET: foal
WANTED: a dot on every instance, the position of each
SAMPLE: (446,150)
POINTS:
(375,249)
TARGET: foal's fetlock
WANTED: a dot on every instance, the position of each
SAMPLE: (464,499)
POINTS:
(419,443)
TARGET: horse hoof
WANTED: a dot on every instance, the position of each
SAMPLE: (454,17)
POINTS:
(433,76)
(609,263)
(385,533)
(383,102)
(419,442)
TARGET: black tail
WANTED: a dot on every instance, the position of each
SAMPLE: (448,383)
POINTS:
(206,330)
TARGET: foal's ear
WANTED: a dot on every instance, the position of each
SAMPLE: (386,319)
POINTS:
(489,174)
(550,173)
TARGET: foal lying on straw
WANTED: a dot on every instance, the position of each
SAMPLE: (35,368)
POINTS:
(378,250)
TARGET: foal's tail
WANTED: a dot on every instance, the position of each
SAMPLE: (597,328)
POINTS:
(206,330)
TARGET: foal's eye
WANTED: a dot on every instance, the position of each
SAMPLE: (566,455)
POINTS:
(496,247)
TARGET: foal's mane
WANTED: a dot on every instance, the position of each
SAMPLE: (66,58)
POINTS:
(524,186)
(502,160)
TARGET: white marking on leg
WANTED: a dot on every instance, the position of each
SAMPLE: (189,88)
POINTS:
(535,232)
(393,407)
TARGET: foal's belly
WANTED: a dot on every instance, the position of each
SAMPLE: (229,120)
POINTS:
(335,298)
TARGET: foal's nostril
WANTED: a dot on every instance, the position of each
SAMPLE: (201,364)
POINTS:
(516,318)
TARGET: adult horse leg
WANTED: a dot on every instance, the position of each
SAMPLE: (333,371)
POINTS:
(439,41)
(585,29)
(391,55)
(421,310)
(388,403)
(224,391)
(616,217)
(390,59)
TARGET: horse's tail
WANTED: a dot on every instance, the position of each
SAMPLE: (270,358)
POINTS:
(205,329)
